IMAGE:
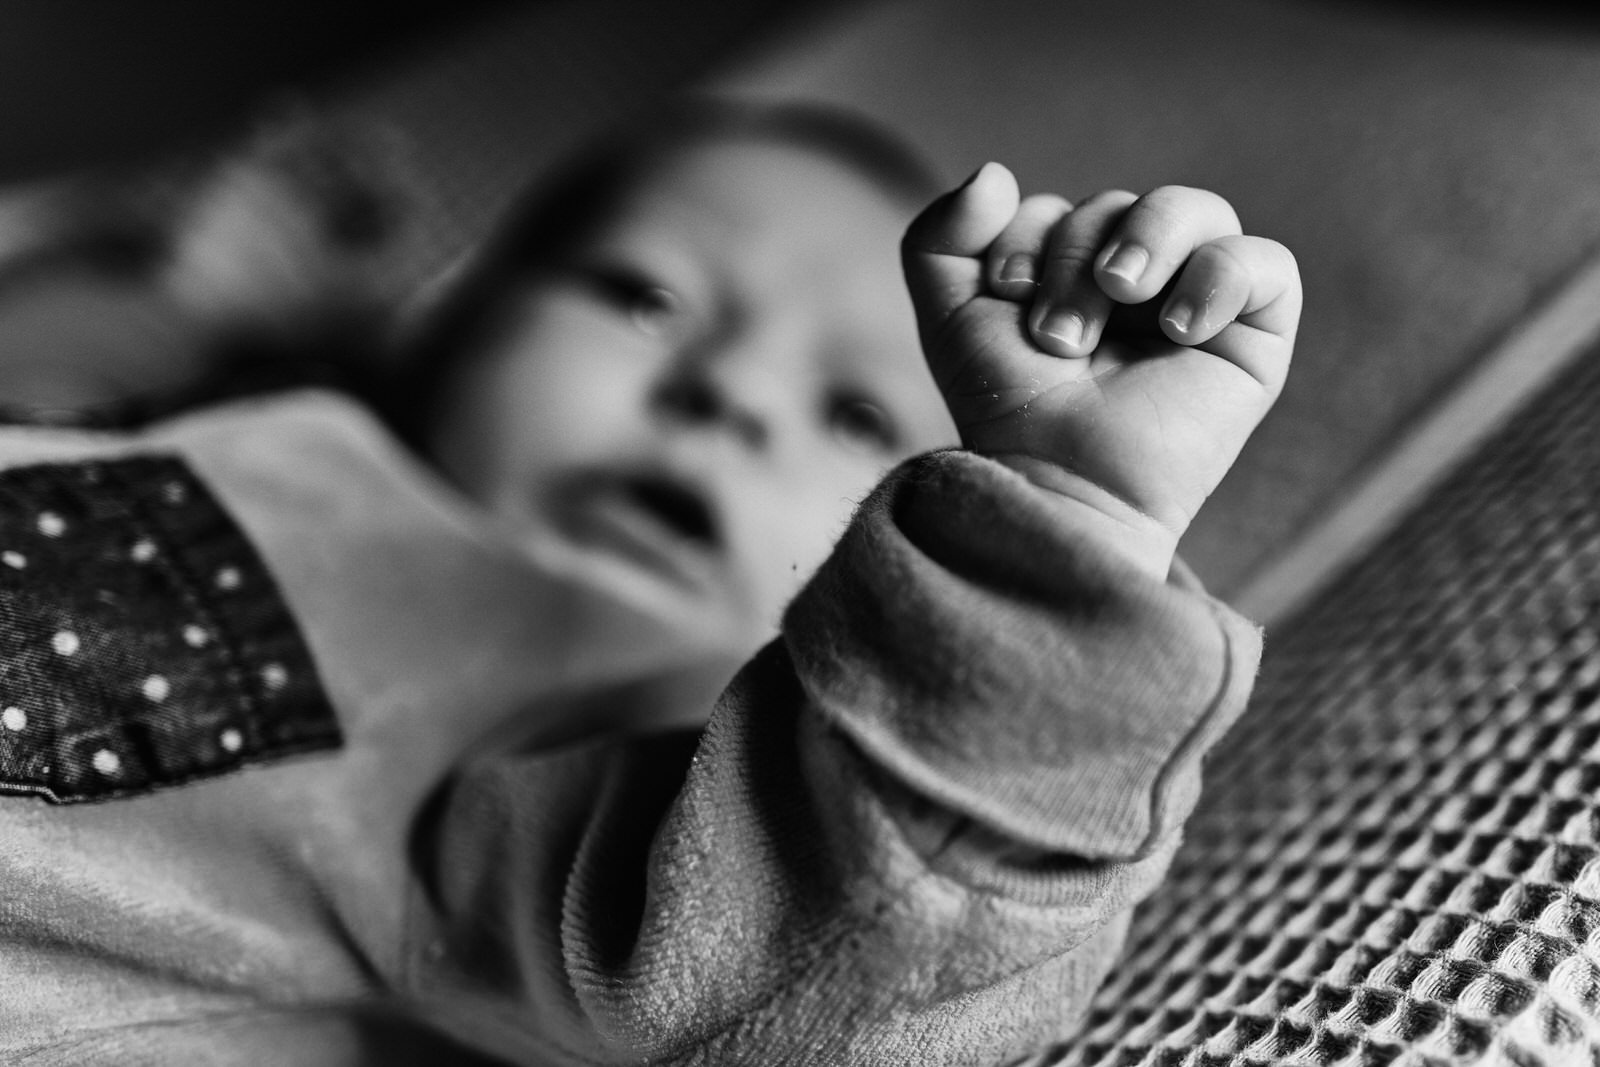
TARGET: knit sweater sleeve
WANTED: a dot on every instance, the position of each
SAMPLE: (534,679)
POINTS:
(915,825)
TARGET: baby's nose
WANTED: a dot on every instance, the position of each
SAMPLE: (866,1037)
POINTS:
(695,398)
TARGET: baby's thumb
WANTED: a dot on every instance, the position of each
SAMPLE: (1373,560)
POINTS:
(942,251)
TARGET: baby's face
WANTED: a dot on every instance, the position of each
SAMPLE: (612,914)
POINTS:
(686,410)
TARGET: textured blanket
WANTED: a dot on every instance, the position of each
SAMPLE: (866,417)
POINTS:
(1397,859)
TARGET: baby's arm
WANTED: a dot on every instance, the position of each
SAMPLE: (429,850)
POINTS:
(1118,353)
(915,825)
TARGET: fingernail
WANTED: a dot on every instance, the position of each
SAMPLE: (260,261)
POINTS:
(1018,267)
(1180,314)
(1064,326)
(1125,261)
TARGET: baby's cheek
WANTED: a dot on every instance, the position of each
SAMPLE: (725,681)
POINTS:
(788,522)
(779,549)
(811,537)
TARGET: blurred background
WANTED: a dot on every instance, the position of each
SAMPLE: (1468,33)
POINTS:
(173,171)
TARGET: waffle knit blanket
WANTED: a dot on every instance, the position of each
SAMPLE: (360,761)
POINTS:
(1396,860)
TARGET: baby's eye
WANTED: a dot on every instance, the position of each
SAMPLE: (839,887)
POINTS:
(648,304)
(861,423)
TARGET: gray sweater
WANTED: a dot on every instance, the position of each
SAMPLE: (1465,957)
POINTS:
(326,773)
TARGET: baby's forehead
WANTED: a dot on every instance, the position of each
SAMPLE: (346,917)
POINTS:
(750,214)
(863,167)
(753,162)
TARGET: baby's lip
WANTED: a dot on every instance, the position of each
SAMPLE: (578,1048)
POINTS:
(663,520)
(677,504)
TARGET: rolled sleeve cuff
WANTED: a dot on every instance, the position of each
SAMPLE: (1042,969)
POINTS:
(1007,663)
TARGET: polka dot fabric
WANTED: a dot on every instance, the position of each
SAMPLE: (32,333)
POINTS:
(142,641)
(1397,860)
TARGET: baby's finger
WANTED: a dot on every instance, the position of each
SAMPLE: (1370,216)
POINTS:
(943,247)
(1070,309)
(1013,258)
(1155,237)
(1238,298)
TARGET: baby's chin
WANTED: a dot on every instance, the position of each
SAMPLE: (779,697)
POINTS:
(698,612)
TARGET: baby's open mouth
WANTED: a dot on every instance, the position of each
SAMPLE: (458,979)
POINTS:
(677,506)
(660,521)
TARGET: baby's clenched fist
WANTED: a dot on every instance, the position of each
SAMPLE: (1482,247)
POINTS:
(1118,352)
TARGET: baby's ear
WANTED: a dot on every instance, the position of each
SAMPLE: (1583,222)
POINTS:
(942,252)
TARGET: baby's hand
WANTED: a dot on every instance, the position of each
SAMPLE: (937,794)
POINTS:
(1118,352)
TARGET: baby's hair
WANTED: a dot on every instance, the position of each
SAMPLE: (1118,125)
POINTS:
(565,206)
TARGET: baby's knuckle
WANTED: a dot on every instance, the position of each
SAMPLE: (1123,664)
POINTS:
(1045,205)
(1157,213)
(1114,199)
(1285,255)
(1266,256)
(1172,192)
(1222,257)
(1173,204)
(1072,257)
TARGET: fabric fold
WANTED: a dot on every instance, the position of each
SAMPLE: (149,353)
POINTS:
(1077,725)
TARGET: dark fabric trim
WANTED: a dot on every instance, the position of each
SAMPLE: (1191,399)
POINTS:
(143,643)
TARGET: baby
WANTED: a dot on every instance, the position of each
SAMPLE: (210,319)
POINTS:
(917,818)
(683,386)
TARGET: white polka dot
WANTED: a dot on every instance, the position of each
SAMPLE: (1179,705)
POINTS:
(14,719)
(51,524)
(231,739)
(195,636)
(229,578)
(274,676)
(155,688)
(65,642)
(143,551)
(107,762)
(14,560)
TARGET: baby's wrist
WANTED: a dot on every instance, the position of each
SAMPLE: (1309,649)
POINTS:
(1142,540)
